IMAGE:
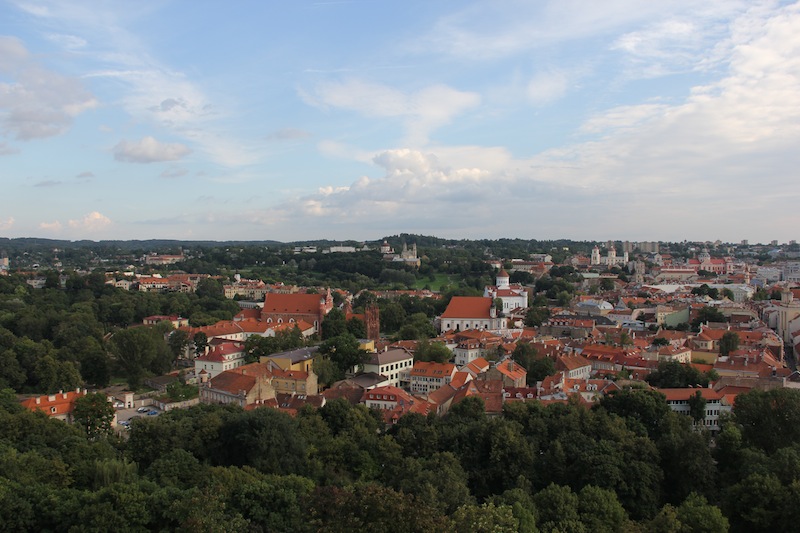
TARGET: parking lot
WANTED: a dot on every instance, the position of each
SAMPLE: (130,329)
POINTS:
(124,416)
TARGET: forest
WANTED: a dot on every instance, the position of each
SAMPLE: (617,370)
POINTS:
(626,464)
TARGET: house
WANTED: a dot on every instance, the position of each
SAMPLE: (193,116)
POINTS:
(672,354)
(511,374)
(221,356)
(394,364)
(574,366)
(678,401)
(471,312)
(301,359)
(427,377)
(59,406)
(394,403)
(490,391)
(175,320)
(294,381)
(246,385)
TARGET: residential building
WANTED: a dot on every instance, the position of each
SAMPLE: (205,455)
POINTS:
(427,377)
(219,357)
(678,401)
(59,406)
(395,364)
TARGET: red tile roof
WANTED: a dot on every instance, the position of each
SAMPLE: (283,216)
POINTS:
(469,307)
(297,303)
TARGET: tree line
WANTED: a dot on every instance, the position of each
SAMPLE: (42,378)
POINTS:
(626,464)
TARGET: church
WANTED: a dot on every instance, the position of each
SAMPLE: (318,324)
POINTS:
(513,296)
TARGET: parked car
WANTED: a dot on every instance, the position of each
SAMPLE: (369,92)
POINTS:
(124,423)
(152,412)
(142,409)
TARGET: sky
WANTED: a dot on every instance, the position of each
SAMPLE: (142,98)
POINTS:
(301,120)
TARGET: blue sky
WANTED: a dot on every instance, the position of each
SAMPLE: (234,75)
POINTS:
(357,119)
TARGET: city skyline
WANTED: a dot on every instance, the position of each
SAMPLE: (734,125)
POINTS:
(356,119)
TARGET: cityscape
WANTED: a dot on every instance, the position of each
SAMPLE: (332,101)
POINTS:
(603,373)
(351,265)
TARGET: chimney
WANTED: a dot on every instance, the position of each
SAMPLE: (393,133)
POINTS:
(38,400)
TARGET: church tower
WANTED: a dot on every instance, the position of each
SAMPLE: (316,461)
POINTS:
(503,279)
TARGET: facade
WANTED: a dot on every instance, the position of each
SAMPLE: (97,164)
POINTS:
(246,385)
(513,296)
(610,260)
(58,406)
(678,401)
(427,377)
(395,365)
(221,356)
(311,308)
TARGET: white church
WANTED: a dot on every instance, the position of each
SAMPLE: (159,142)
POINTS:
(610,259)
(513,296)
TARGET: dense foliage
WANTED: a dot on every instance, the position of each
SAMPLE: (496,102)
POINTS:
(627,464)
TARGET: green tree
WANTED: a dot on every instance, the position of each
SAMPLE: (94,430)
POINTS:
(432,351)
(696,515)
(344,351)
(769,419)
(94,414)
(600,510)
(357,328)
(140,351)
(200,341)
(697,407)
(178,341)
(485,518)
(334,324)
(728,343)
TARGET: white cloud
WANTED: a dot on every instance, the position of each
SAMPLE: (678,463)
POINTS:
(422,111)
(482,31)
(546,87)
(149,150)
(38,103)
(6,224)
(152,91)
(93,221)
(53,227)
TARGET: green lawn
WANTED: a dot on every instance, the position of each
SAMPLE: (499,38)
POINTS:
(441,279)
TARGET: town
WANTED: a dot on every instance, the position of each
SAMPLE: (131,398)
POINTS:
(511,371)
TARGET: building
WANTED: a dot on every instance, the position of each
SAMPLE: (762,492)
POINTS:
(510,373)
(678,401)
(246,385)
(427,377)
(513,296)
(311,308)
(219,357)
(471,312)
(610,260)
(59,406)
(175,320)
(395,365)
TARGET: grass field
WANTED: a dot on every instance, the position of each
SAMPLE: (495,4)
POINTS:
(436,285)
